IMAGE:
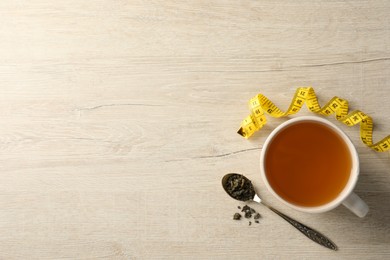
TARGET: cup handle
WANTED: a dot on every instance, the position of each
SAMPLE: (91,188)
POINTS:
(355,204)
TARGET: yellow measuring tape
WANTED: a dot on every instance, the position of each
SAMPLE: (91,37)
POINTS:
(260,104)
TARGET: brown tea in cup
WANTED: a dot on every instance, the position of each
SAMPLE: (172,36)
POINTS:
(308,164)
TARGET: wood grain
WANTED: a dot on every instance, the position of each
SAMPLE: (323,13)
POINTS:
(119,119)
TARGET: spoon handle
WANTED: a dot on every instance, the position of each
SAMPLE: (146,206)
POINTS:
(307,231)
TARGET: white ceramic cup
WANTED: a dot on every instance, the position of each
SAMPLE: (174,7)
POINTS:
(346,196)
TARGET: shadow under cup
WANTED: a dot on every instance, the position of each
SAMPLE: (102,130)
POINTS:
(309,164)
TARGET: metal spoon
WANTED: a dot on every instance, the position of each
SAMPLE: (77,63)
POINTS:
(307,231)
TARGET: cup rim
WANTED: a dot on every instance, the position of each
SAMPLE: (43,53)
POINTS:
(351,181)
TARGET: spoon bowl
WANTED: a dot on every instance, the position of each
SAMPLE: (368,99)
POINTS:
(225,183)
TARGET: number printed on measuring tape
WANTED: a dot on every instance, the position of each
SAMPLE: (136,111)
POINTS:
(260,104)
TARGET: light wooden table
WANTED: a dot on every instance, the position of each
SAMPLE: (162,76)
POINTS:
(119,118)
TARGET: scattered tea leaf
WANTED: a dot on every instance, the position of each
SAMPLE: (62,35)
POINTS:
(245,208)
(249,213)
(237,216)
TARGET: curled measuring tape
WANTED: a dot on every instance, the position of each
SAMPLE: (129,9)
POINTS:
(260,104)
